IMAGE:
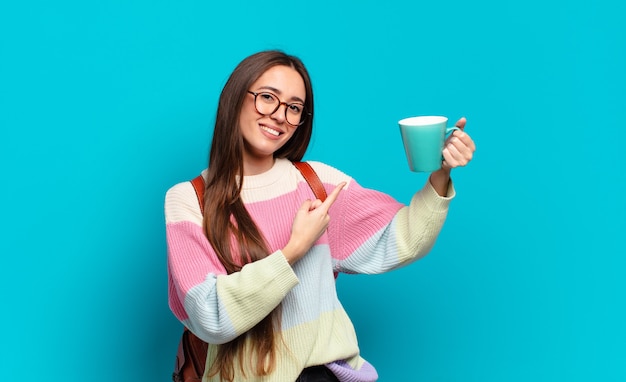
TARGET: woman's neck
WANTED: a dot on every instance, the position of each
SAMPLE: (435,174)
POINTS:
(256,166)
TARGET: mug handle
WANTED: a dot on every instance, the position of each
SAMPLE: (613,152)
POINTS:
(449,130)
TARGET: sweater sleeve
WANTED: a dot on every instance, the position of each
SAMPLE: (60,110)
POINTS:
(215,306)
(373,233)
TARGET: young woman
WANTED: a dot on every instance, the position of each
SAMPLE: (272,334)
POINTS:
(254,274)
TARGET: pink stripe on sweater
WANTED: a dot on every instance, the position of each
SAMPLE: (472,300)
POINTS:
(175,300)
(274,217)
(191,257)
(365,212)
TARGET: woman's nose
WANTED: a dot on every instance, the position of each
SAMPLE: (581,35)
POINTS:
(280,113)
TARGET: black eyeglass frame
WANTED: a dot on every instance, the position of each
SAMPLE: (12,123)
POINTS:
(303,116)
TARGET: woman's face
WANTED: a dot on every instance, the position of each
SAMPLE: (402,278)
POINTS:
(264,134)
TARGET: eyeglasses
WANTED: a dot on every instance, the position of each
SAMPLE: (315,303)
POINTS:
(267,103)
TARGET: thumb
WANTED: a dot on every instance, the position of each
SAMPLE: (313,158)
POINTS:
(306,206)
(461,123)
(314,204)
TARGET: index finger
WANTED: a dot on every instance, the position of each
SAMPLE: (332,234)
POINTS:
(468,141)
(330,199)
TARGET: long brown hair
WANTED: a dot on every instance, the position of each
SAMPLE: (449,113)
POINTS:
(225,215)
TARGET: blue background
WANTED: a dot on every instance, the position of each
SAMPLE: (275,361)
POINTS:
(106,104)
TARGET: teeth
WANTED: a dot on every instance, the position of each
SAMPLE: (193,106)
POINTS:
(271,131)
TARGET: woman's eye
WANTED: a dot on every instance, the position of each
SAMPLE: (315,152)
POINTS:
(267,97)
(295,108)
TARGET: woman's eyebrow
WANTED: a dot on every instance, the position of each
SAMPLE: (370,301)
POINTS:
(278,92)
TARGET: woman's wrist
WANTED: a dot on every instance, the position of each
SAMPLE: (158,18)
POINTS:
(440,180)
(292,252)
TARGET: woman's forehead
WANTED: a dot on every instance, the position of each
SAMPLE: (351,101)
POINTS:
(283,80)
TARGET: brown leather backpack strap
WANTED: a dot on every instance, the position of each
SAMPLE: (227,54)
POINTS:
(314,182)
(312,179)
(198,186)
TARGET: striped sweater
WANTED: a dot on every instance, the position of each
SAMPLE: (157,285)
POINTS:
(369,232)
